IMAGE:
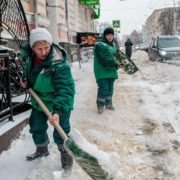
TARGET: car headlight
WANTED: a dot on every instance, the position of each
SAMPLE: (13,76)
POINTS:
(163,53)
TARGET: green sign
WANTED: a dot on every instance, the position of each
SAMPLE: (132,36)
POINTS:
(96,12)
(82,1)
(89,2)
(116,24)
(95,5)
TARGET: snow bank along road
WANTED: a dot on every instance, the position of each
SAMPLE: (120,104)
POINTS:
(145,128)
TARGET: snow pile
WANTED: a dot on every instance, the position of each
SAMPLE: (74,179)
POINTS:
(108,161)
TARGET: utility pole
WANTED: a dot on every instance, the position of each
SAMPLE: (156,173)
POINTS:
(36,22)
(52,11)
(174,27)
(67,19)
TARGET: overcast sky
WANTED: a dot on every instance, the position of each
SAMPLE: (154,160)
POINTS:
(131,13)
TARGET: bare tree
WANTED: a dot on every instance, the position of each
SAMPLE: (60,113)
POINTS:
(102,26)
(136,37)
(178,19)
(166,21)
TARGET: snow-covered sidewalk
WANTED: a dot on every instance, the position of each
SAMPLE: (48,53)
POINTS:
(142,134)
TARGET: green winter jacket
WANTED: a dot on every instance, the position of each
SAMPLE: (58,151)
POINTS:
(51,80)
(105,66)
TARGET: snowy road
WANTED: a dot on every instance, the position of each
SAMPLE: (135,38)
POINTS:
(143,134)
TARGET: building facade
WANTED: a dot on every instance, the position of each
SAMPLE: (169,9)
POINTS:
(164,21)
(63,18)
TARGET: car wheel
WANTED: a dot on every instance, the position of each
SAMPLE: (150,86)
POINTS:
(160,60)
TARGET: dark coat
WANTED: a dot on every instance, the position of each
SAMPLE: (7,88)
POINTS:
(128,47)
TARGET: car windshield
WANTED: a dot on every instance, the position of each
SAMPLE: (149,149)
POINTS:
(168,42)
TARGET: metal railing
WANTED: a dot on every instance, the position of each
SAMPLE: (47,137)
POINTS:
(12,96)
(13,19)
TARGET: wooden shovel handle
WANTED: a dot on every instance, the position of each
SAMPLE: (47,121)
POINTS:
(46,111)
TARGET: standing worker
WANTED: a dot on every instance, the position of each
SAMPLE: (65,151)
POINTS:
(48,73)
(105,69)
(128,48)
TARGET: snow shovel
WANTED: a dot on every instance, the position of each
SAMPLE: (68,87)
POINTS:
(85,160)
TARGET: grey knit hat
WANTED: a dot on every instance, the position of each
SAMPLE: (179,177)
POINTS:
(40,34)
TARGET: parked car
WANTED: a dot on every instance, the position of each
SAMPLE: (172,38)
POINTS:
(144,47)
(164,48)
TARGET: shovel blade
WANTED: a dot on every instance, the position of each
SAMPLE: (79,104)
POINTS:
(86,161)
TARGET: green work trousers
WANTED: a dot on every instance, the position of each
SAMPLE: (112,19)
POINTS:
(105,92)
(39,124)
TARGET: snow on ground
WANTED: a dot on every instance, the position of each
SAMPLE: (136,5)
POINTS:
(139,140)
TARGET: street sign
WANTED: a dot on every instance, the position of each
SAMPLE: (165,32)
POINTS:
(116,24)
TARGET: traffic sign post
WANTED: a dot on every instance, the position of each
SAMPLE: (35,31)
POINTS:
(116,24)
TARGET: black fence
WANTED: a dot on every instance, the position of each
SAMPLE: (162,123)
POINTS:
(12,96)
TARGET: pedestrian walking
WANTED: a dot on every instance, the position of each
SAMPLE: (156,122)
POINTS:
(128,48)
(48,73)
(105,69)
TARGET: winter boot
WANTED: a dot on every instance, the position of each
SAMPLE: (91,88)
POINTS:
(40,152)
(66,159)
(100,110)
(110,107)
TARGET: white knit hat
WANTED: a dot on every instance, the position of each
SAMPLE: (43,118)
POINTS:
(40,34)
